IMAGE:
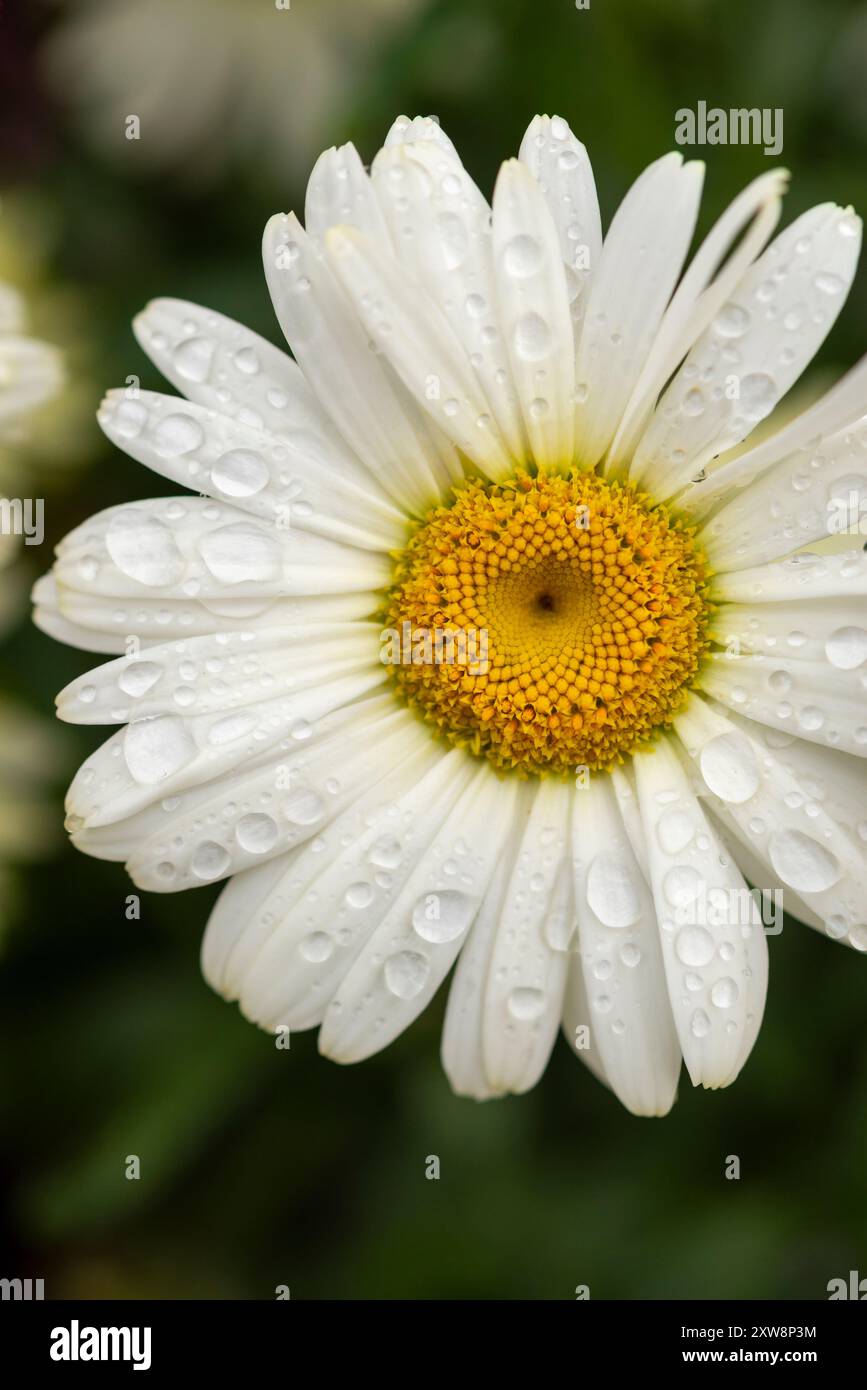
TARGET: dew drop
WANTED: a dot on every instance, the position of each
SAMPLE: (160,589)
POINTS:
(406,973)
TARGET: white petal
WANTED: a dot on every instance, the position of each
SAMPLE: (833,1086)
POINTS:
(838,410)
(811,699)
(756,348)
(365,401)
(187,547)
(339,192)
(402,964)
(642,256)
(793,820)
(534,312)
(441,227)
(222,366)
(522,1000)
(265,810)
(561,166)
(99,623)
(802,499)
(280,943)
(705,287)
(715,955)
(409,328)
(154,761)
(422,129)
(220,671)
(632,1026)
(799,578)
(260,473)
(830,629)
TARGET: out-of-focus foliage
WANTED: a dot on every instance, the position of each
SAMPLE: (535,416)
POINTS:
(260,1166)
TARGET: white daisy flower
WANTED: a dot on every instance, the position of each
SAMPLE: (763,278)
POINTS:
(502,429)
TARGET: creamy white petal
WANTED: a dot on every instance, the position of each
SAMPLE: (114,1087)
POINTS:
(410,330)
(359,391)
(642,256)
(420,129)
(219,671)
(802,499)
(838,410)
(462,1051)
(259,473)
(756,348)
(829,629)
(522,1000)
(632,1029)
(534,313)
(706,285)
(154,760)
(101,623)
(561,166)
(265,810)
(189,547)
(284,955)
(797,579)
(811,699)
(441,228)
(715,955)
(221,365)
(31,372)
(340,192)
(406,958)
(768,797)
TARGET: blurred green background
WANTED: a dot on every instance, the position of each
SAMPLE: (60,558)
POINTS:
(263,1167)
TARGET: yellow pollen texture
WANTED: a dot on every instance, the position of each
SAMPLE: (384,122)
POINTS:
(585,601)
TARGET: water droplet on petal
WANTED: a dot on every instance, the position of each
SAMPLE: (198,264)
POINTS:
(406,973)
(802,862)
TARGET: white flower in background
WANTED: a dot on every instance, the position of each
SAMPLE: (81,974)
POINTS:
(215,80)
(495,425)
(30,375)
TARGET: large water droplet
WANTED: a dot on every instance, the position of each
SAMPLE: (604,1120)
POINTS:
(729,767)
(156,748)
(847,648)
(178,434)
(256,833)
(525,1003)
(240,473)
(694,946)
(241,554)
(385,852)
(732,321)
(522,256)
(724,993)
(802,862)
(443,915)
(138,678)
(317,946)
(612,890)
(210,860)
(144,549)
(682,885)
(532,337)
(406,973)
(193,358)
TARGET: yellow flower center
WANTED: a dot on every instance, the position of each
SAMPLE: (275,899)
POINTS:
(570,614)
